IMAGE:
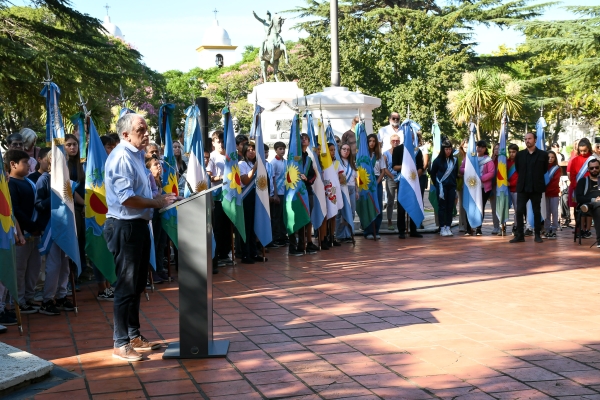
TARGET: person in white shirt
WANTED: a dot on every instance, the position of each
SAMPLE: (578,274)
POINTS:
(222,230)
(386,132)
(277,223)
(380,171)
(391,186)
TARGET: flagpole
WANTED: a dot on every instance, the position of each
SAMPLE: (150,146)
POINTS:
(19,320)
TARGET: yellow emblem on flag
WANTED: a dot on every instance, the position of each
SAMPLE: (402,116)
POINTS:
(235,179)
(68,192)
(261,182)
(5,205)
(292,176)
(363,179)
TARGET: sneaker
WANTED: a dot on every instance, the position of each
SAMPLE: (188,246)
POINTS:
(295,253)
(48,308)
(33,305)
(495,231)
(27,309)
(416,235)
(325,245)
(478,232)
(6,319)
(273,245)
(552,235)
(528,232)
(598,245)
(64,304)
(587,234)
(370,237)
(156,279)
(38,296)
(468,233)
(444,231)
(141,343)
(10,313)
(517,239)
(449,231)
(126,353)
(378,237)
(106,295)
(390,227)
(335,243)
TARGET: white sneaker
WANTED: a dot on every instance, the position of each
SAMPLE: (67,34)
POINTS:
(378,237)
(449,232)
(443,231)
(370,237)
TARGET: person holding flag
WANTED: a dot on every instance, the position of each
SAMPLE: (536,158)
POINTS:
(531,164)
(552,179)
(332,187)
(444,172)
(472,186)
(316,186)
(577,169)
(130,206)
(408,160)
(368,205)
(196,176)
(487,173)
(379,165)
(502,189)
(170,177)
(297,208)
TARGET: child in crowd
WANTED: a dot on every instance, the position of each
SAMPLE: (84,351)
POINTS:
(552,179)
(22,194)
(513,177)
(278,168)
(57,264)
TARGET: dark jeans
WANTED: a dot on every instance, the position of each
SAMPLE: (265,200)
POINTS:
(446,206)
(484,198)
(222,230)
(401,221)
(249,245)
(160,241)
(595,211)
(536,204)
(129,242)
(277,226)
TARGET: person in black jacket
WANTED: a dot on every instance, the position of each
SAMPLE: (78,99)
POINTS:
(444,172)
(588,195)
(531,165)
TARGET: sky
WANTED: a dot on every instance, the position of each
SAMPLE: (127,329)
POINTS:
(167,36)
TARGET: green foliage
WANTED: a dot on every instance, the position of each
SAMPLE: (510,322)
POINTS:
(79,55)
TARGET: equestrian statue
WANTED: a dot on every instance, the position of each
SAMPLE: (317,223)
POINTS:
(273,46)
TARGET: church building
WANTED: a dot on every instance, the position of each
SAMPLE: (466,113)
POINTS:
(216,49)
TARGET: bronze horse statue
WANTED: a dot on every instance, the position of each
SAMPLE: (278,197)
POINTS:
(273,47)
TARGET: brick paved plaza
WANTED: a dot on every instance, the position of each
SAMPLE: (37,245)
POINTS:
(449,318)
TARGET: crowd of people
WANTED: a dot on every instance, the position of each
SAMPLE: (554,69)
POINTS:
(533,175)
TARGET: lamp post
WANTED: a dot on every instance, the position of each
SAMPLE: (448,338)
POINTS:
(335,51)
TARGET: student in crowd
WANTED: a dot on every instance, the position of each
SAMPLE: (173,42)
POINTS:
(495,219)
(206,158)
(160,236)
(444,172)
(29,140)
(273,198)
(349,137)
(577,170)
(552,179)
(42,164)
(380,171)
(588,194)
(14,141)
(462,214)
(556,149)
(513,177)
(22,194)
(247,176)
(488,173)
(391,184)
(328,227)
(278,165)
(222,231)
(179,162)
(57,264)
(108,142)
(240,141)
(343,230)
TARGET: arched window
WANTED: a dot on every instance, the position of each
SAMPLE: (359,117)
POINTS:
(219,60)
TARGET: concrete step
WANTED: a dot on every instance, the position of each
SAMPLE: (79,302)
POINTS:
(19,368)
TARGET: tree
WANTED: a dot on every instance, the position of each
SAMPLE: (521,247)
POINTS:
(485,95)
(79,56)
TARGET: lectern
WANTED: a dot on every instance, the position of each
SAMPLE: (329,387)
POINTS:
(194,230)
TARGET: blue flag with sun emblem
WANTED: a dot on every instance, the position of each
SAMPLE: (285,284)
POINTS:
(297,210)
(62,220)
(170,185)
(367,205)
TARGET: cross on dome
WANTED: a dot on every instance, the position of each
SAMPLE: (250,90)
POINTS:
(215,11)
(107,7)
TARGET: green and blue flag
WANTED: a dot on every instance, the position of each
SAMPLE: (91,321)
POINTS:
(367,205)
(297,210)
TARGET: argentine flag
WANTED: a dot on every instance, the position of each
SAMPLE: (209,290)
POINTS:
(409,190)
(319,211)
(196,176)
(262,213)
(472,196)
(331,179)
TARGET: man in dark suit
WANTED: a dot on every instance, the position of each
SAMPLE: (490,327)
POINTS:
(531,165)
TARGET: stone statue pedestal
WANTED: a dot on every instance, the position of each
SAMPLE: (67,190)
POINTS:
(340,106)
(277,117)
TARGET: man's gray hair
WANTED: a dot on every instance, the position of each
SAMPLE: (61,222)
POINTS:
(125,124)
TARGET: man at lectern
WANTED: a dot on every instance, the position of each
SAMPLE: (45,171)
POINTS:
(130,207)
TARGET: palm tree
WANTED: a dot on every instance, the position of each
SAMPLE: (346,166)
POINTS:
(484,96)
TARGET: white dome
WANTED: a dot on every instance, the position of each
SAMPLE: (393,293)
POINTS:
(216,36)
(112,29)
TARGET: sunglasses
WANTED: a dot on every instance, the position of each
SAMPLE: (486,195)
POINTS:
(593,168)
(395,119)
(16,144)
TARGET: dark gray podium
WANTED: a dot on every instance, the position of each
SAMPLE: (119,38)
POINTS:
(194,229)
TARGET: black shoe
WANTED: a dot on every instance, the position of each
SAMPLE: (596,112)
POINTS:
(64,304)
(312,247)
(335,243)
(32,304)
(273,245)
(260,259)
(325,245)
(156,279)
(247,261)
(528,232)
(6,319)
(478,232)
(27,309)
(402,236)
(518,238)
(11,313)
(538,238)
(415,234)
(295,253)
(48,308)
(215,271)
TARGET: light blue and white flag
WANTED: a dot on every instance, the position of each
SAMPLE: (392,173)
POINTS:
(409,190)
(472,196)
(319,210)
(196,176)
(346,205)
(62,217)
(262,213)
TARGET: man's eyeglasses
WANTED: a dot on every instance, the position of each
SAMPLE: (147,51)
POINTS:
(593,168)
(395,141)
(16,145)
(395,119)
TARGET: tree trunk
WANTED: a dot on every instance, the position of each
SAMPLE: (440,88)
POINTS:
(556,130)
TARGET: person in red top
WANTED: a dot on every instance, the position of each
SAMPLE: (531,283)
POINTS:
(577,169)
(513,177)
(552,195)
